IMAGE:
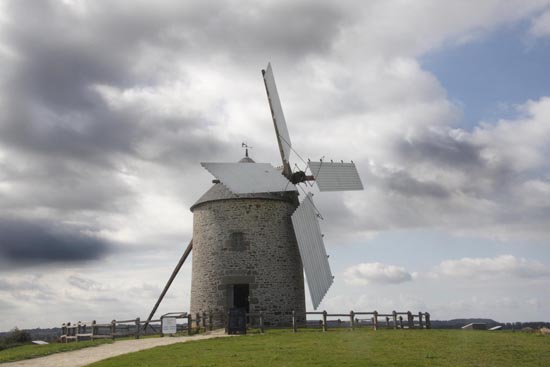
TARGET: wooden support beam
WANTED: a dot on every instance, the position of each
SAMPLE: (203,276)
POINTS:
(169,283)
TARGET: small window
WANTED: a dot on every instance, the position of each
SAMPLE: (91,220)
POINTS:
(237,239)
(236,242)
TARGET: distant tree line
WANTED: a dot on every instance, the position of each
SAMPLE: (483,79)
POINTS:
(459,323)
(521,325)
(15,338)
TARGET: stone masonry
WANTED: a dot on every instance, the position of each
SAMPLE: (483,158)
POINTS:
(246,239)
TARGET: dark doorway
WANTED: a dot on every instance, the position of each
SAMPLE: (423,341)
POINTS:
(241,296)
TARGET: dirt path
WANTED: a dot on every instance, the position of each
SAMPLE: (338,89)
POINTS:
(83,357)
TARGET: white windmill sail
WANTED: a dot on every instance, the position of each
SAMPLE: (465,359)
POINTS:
(335,176)
(249,178)
(312,250)
(281,130)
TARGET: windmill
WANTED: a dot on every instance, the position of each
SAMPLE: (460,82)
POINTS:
(252,237)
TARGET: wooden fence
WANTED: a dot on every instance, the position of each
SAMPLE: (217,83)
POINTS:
(132,328)
(353,319)
(204,322)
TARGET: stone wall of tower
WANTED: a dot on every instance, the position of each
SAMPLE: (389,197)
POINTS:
(247,241)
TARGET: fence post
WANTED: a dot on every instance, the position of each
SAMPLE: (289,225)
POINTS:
(324,320)
(94,329)
(227,322)
(375,320)
(262,322)
(138,328)
(428,322)
(401,322)
(294,329)
(351,319)
(420,320)
(410,320)
(198,322)
(189,324)
(78,330)
(394,319)
(113,329)
(210,317)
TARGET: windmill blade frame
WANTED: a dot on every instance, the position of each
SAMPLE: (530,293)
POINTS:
(249,178)
(312,250)
(281,130)
(335,176)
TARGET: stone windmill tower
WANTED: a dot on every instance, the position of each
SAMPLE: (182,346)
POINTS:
(253,239)
(245,254)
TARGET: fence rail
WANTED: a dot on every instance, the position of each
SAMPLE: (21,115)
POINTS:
(202,322)
(392,320)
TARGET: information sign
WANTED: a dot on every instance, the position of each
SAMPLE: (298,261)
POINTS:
(169,325)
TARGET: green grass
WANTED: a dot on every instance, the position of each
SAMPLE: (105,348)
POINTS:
(345,348)
(32,351)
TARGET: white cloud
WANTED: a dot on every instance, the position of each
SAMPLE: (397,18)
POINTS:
(84,284)
(117,289)
(500,266)
(520,144)
(365,273)
(493,181)
(540,26)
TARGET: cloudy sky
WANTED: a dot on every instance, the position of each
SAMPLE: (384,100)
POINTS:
(109,106)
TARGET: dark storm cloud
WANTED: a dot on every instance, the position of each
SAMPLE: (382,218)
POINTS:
(90,136)
(440,149)
(60,55)
(66,153)
(403,183)
(284,29)
(60,184)
(69,145)
(28,242)
(52,106)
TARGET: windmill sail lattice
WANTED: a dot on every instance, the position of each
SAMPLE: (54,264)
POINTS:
(331,176)
(246,178)
(283,137)
(312,250)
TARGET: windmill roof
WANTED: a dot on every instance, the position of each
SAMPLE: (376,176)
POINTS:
(246,159)
(220,192)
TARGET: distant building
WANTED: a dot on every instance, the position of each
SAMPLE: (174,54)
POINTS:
(475,326)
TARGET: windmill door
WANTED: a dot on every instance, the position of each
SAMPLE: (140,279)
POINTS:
(240,296)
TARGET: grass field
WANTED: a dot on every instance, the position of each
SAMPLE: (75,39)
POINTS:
(345,348)
(33,351)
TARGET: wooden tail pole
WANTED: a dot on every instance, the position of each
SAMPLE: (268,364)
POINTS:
(169,283)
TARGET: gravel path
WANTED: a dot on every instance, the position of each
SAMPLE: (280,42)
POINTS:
(85,356)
